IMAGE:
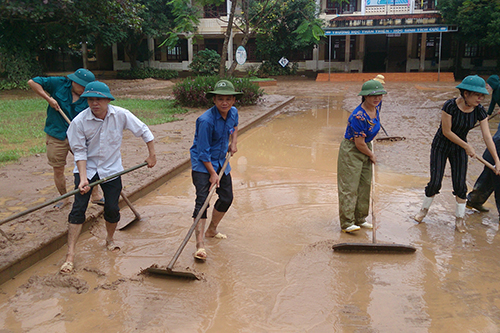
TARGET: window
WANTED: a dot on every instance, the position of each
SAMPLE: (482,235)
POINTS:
(471,50)
(251,48)
(334,7)
(338,49)
(177,53)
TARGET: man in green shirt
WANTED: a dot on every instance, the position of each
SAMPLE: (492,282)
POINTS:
(63,96)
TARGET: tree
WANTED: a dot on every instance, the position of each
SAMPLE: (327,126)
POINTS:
(29,26)
(288,28)
(478,21)
(261,18)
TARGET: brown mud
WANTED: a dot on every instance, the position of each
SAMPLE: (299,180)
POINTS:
(277,272)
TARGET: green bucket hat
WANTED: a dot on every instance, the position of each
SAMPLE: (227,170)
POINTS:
(223,87)
(82,76)
(372,87)
(97,89)
(474,83)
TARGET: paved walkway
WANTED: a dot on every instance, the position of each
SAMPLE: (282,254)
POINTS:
(389,77)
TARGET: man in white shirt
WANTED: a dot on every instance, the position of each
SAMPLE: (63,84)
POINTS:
(95,136)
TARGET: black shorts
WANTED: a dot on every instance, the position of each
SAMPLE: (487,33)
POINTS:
(111,190)
(201,182)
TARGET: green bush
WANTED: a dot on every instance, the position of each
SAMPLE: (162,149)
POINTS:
(148,72)
(273,68)
(191,91)
(205,63)
(8,85)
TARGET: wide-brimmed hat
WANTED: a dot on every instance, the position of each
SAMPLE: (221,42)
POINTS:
(97,89)
(371,88)
(380,78)
(474,83)
(223,87)
(82,76)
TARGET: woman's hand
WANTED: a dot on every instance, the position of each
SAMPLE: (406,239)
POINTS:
(470,151)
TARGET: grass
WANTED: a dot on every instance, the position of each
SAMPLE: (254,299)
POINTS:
(22,122)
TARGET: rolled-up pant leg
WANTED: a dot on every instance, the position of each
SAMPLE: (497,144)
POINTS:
(459,163)
(364,189)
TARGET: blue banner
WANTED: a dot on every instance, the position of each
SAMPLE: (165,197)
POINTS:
(386,2)
(340,32)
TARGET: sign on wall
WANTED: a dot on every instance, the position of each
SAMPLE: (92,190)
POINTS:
(241,55)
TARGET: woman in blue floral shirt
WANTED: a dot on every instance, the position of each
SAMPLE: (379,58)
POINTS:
(354,166)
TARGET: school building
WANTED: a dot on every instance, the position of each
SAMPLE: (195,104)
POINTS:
(361,36)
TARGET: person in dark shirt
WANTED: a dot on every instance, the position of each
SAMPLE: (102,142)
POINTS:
(63,95)
(488,182)
(458,116)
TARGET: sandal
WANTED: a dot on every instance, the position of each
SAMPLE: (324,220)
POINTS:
(99,202)
(201,254)
(67,267)
(220,236)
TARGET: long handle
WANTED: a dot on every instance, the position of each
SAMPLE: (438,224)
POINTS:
(198,217)
(64,115)
(374,220)
(488,164)
(383,129)
(15,216)
(489,118)
(127,201)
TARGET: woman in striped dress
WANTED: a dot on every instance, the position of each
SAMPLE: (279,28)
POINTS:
(458,116)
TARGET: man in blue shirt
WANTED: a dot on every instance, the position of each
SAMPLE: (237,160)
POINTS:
(216,135)
(63,95)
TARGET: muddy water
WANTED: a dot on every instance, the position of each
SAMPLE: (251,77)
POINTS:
(276,272)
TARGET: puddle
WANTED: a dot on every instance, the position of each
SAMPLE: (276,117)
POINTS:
(276,272)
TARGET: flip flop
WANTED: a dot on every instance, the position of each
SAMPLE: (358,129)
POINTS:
(111,246)
(60,205)
(67,267)
(99,202)
(201,254)
(220,236)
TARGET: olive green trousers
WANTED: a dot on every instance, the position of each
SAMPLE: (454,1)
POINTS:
(354,177)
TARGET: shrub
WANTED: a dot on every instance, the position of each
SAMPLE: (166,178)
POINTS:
(272,68)
(148,72)
(205,63)
(191,91)
(8,85)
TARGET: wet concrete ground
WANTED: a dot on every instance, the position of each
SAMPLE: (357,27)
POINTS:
(276,272)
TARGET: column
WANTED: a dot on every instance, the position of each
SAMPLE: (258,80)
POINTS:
(347,53)
(151,49)
(190,50)
(409,45)
(423,45)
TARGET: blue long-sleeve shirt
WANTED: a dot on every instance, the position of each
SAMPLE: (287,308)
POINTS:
(211,139)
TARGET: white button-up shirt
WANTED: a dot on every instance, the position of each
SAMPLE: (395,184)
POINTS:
(98,141)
